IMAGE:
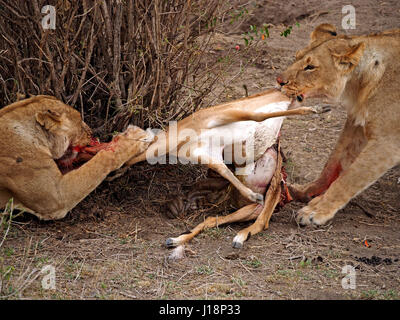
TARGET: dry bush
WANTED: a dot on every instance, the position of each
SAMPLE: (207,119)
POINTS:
(118,62)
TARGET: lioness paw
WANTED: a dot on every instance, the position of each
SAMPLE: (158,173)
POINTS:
(304,216)
(309,215)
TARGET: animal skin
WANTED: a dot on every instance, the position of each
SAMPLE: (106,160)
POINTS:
(238,120)
(257,118)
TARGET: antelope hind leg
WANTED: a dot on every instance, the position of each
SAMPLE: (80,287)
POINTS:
(246,213)
(271,201)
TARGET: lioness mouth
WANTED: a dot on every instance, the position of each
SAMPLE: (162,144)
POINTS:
(75,156)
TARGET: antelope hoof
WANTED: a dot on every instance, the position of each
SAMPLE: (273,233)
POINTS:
(172,242)
(238,241)
(237,245)
(322,108)
(257,197)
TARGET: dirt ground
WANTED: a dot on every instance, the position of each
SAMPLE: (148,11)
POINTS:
(112,245)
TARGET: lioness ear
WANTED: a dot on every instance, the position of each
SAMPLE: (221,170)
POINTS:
(323,33)
(48,119)
(348,57)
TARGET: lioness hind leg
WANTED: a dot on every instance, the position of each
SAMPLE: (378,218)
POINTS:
(246,213)
(350,143)
(376,158)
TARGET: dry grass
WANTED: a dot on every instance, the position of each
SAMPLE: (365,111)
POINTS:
(118,62)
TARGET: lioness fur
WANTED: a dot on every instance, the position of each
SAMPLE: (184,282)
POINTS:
(37,131)
(361,73)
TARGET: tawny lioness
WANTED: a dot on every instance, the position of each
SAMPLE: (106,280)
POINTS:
(362,73)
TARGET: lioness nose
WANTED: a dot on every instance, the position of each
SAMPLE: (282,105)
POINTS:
(281,81)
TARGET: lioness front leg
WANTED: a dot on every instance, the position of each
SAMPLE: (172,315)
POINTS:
(51,195)
(348,147)
(375,159)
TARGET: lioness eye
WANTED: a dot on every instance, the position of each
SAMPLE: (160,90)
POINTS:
(309,67)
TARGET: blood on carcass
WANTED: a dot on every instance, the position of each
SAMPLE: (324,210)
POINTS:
(76,156)
(285,195)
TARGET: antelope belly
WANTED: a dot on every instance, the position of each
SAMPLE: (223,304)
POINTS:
(258,174)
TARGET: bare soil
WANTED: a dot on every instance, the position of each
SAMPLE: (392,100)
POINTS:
(112,245)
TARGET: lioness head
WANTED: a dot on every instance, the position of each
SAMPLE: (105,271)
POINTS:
(64,126)
(321,69)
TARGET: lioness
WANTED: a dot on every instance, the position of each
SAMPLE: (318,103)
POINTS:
(362,73)
(37,131)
